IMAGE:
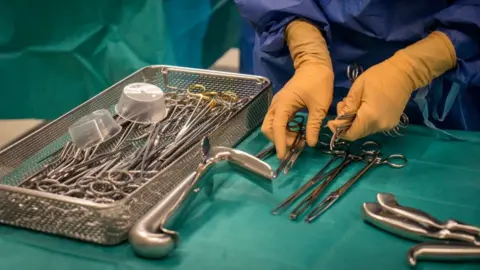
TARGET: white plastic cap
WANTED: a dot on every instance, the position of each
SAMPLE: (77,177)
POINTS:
(142,103)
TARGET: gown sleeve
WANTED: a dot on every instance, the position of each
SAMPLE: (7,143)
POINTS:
(269,18)
(461,23)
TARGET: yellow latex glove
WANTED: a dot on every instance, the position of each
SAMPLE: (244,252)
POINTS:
(310,87)
(381,93)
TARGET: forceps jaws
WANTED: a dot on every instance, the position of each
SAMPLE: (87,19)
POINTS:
(296,153)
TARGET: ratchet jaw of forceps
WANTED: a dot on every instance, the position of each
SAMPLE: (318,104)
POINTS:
(152,236)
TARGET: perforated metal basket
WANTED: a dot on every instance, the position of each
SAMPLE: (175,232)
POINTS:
(109,223)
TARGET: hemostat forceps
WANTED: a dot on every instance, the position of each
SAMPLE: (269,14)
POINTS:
(317,178)
(373,159)
(353,72)
(320,176)
(297,125)
(328,178)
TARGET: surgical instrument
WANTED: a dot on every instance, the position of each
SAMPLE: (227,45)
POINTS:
(449,241)
(367,147)
(353,72)
(390,203)
(374,214)
(442,252)
(147,148)
(307,202)
(373,159)
(153,235)
(313,181)
(296,125)
(266,152)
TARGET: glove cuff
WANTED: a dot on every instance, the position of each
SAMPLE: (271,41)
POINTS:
(427,59)
(307,45)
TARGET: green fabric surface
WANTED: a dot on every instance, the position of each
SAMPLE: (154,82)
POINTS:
(235,230)
(56,54)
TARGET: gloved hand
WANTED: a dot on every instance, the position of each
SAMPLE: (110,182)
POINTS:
(310,87)
(381,93)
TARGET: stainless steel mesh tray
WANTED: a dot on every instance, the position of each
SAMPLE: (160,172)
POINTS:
(108,224)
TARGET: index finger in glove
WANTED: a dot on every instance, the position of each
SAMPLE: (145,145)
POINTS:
(349,105)
(267,125)
(282,117)
(359,127)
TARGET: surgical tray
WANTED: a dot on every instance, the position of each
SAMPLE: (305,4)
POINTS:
(108,224)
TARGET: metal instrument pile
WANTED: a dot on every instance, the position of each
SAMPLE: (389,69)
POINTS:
(109,171)
(368,153)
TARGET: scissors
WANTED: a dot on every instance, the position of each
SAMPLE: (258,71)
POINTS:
(373,158)
(297,125)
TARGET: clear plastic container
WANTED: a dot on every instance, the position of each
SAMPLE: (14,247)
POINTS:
(93,129)
(142,103)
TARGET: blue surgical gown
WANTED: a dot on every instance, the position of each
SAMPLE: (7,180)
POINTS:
(366,32)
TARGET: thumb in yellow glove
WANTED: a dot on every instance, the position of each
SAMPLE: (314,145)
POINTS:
(380,94)
(310,87)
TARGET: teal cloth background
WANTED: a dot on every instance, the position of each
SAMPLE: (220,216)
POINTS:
(56,54)
(235,230)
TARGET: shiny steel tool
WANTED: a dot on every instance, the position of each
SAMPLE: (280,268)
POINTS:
(267,152)
(307,202)
(343,152)
(443,252)
(374,214)
(153,236)
(297,125)
(140,151)
(71,206)
(317,178)
(353,72)
(451,241)
(390,203)
(373,159)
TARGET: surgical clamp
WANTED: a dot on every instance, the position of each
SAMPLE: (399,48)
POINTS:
(296,125)
(331,175)
(335,195)
(313,196)
(314,180)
